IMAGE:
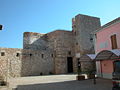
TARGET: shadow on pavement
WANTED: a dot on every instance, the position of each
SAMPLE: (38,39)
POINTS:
(102,84)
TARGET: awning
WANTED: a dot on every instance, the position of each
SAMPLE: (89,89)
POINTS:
(108,54)
(87,57)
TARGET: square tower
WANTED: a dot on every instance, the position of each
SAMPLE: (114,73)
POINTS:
(83,26)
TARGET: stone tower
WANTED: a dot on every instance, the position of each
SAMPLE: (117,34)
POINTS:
(83,26)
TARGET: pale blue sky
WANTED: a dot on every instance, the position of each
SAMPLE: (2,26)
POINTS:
(18,16)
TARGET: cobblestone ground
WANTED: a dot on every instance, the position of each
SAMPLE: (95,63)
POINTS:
(58,82)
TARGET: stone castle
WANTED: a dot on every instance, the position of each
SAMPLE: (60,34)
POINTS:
(56,52)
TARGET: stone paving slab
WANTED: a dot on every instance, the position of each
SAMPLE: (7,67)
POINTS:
(70,85)
(14,82)
(3,88)
(57,82)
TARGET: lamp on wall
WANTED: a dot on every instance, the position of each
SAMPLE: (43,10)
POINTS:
(1,27)
(77,55)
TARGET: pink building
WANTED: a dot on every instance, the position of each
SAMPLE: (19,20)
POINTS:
(107,48)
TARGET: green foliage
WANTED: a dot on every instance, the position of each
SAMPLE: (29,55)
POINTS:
(41,73)
(79,71)
(90,71)
(51,73)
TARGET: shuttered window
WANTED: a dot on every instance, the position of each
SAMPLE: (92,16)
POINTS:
(114,42)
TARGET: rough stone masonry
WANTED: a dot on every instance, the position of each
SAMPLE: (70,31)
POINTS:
(51,53)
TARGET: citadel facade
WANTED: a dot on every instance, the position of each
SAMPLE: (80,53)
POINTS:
(56,52)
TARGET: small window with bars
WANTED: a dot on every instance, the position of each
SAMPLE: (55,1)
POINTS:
(69,52)
(17,54)
(2,53)
(42,55)
(51,55)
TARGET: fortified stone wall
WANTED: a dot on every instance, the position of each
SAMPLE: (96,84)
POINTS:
(59,43)
(10,62)
(32,40)
(24,62)
(35,62)
(49,53)
(62,43)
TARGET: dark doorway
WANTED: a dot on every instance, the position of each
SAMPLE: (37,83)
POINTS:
(70,64)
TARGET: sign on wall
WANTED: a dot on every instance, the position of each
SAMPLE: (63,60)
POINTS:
(77,55)
(103,45)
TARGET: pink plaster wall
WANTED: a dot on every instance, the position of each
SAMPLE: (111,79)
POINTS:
(107,66)
(103,41)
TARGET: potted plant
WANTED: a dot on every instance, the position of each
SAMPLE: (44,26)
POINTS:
(90,73)
(80,76)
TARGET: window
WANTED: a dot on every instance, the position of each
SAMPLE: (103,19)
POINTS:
(91,39)
(42,55)
(76,43)
(69,52)
(51,55)
(30,54)
(114,41)
(18,54)
(2,53)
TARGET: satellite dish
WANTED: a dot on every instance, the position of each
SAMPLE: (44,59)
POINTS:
(1,27)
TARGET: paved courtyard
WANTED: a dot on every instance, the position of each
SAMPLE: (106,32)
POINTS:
(58,82)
